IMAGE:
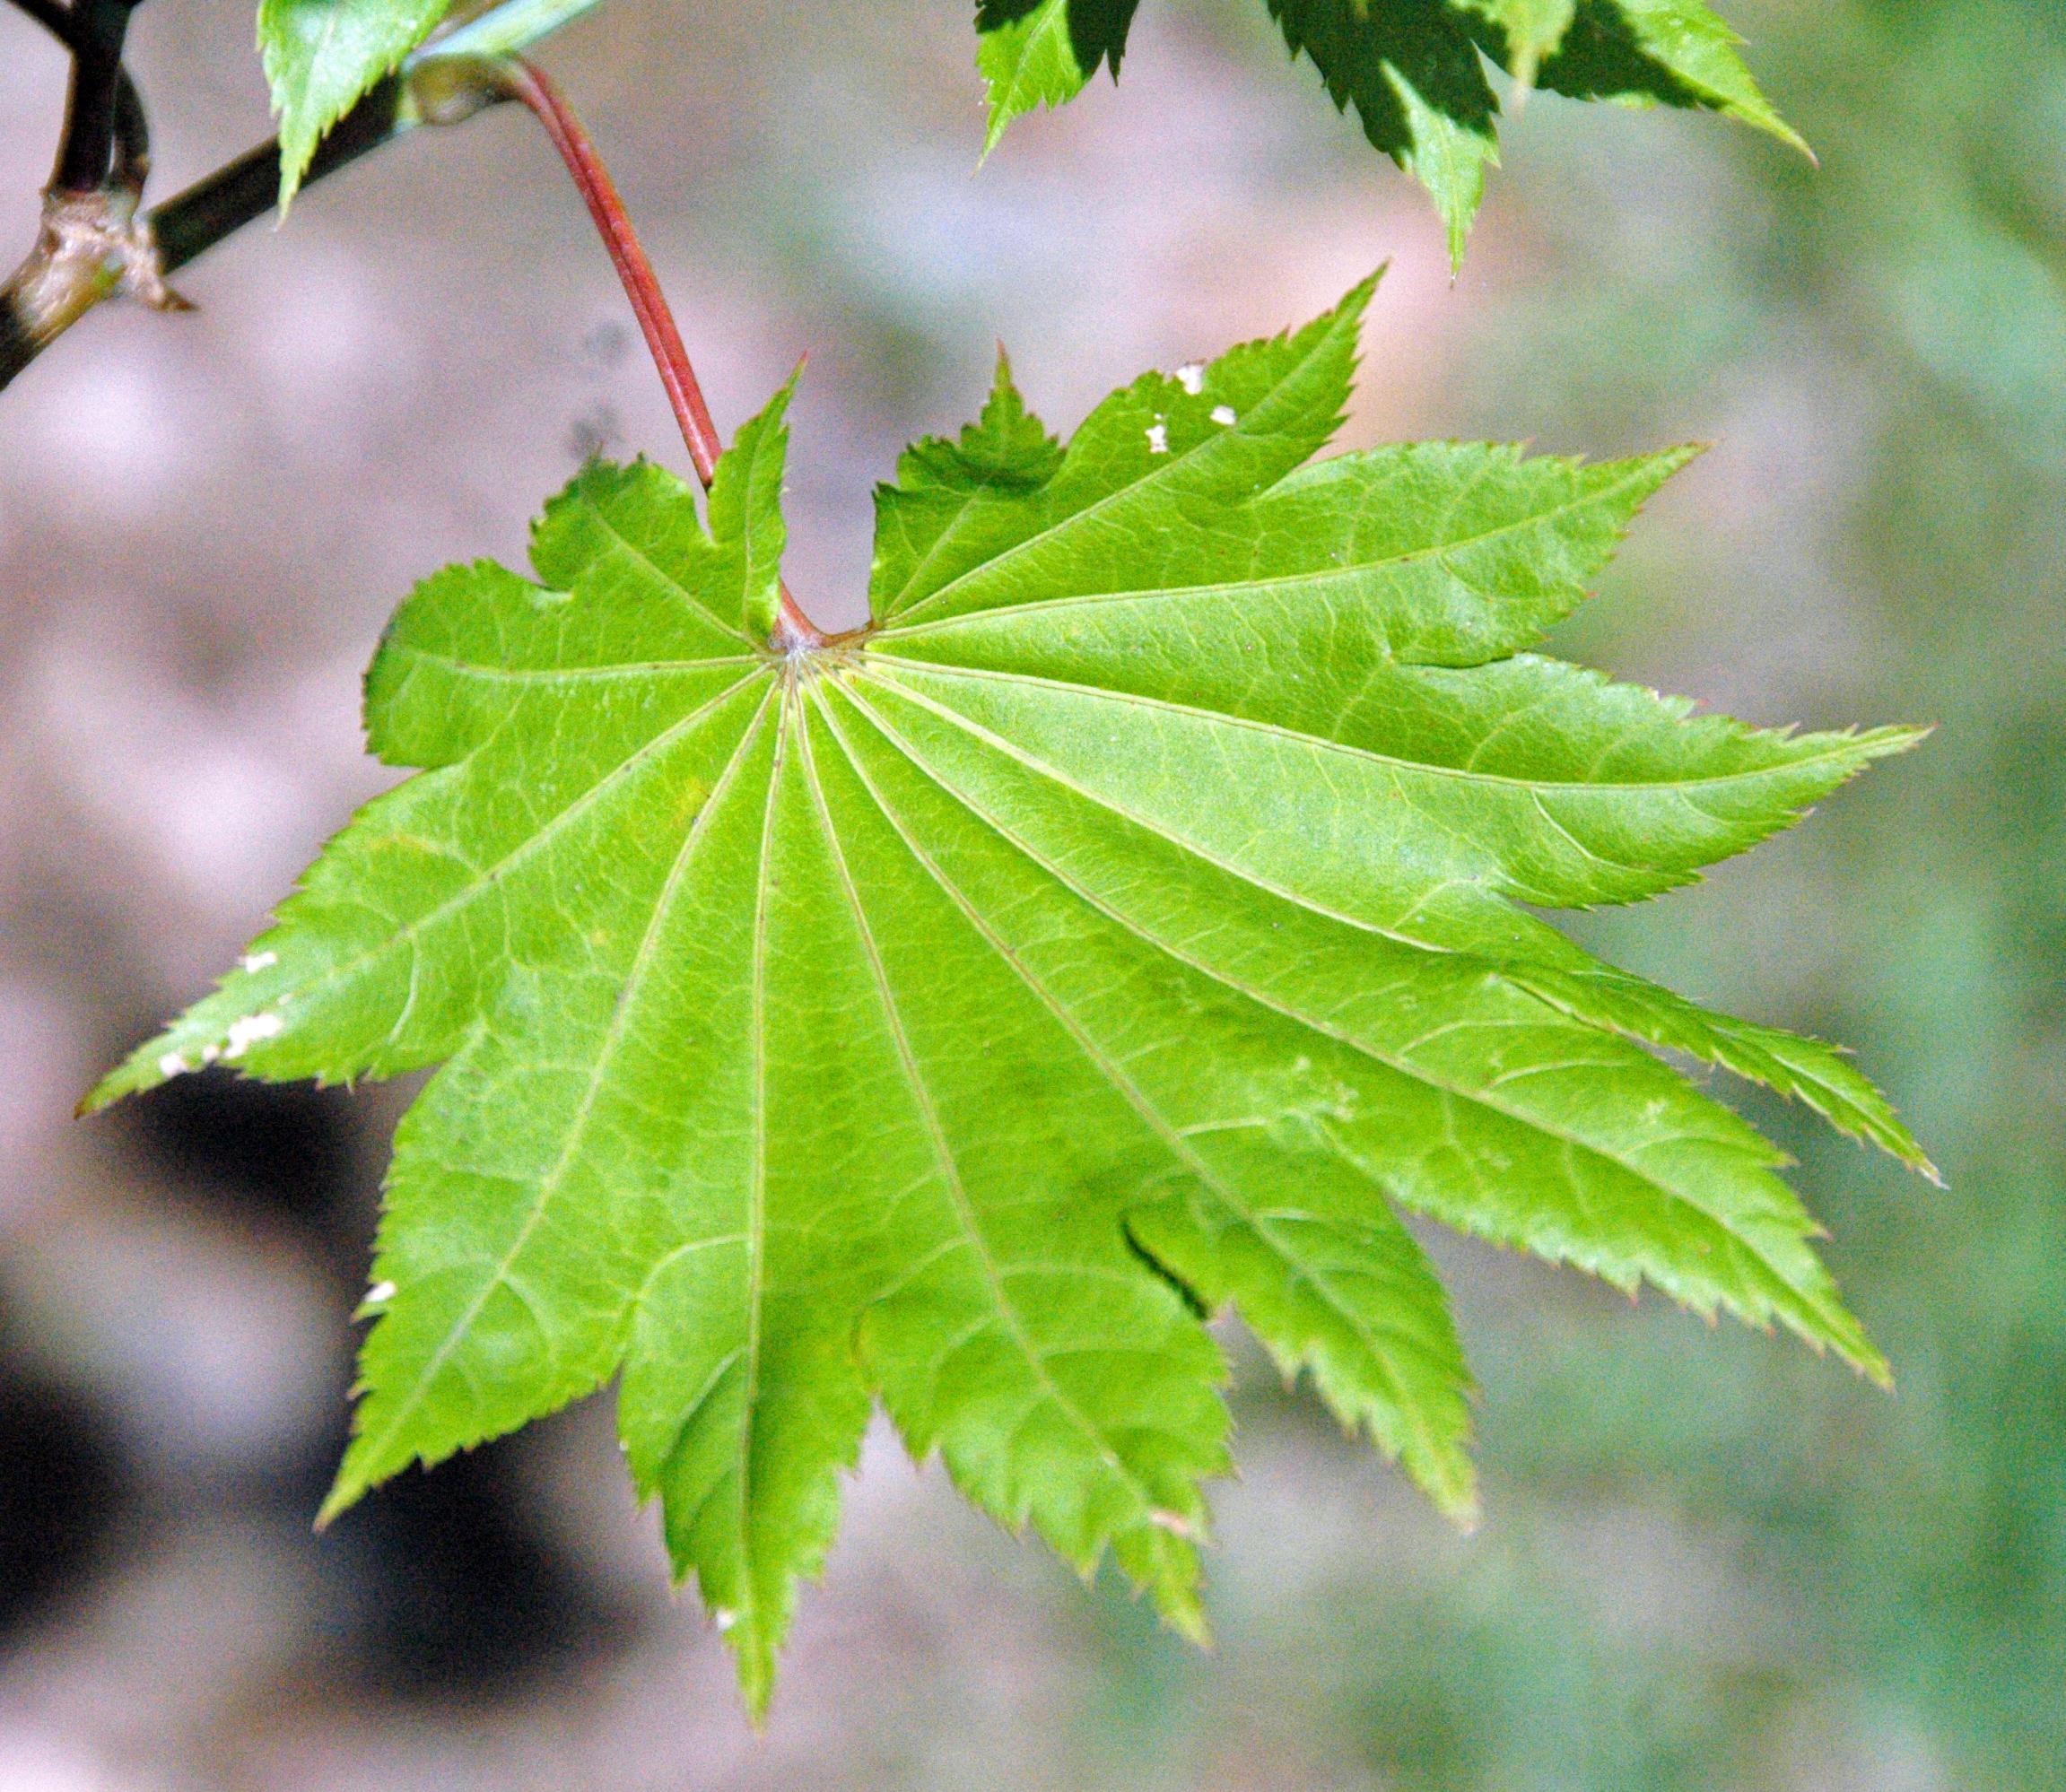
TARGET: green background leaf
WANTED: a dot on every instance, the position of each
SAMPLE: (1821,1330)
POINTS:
(323,57)
(1414,70)
(1040,52)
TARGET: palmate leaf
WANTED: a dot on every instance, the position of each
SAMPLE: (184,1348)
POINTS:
(1413,70)
(1123,928)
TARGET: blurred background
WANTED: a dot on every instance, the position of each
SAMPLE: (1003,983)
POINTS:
(1711,1563)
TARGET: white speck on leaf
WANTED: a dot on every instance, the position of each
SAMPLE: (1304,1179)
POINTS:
(380,1294)
(258,961)
(1158,437)
(173,1065)
(1191,376)
(724,1618)
(247,1031)
(1226,415)
(1174,1523)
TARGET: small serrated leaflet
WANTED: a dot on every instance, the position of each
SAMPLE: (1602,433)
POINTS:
(323,57)
(1035,53)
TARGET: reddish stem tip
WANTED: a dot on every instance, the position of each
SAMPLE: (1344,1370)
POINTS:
(537,90)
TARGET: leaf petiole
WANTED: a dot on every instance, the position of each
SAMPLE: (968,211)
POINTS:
(523,80)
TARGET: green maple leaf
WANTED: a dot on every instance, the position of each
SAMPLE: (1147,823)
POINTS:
(1124,927)
(1413,70)
(1531,28)
(323,57)
(1040,52)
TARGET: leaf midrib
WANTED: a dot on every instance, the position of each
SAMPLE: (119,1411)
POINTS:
(1056,11)
(567,675)
(1840,745)
(1001,614)
(757,1187)
(1241,873)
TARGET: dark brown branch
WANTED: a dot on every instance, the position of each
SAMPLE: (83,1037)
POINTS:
(87,155)
(86,254)
(131,132)
(613,224)
(243,191)
(215,206)
(91,242)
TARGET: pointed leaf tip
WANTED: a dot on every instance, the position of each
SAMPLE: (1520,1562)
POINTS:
(745,509)
(343,1496)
